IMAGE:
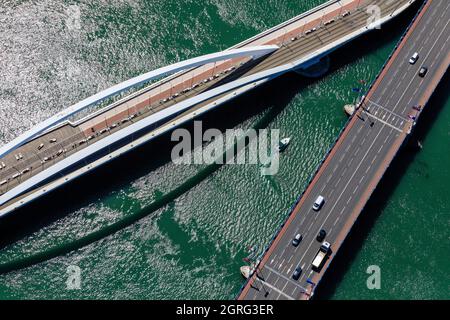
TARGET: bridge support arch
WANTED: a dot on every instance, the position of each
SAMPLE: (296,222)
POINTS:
(254,52)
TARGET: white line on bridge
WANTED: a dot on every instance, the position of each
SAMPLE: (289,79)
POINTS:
(274,288)
(285,278)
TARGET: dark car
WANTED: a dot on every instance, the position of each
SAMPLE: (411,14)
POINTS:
(296,241)
(297,273)
(423,71)
(321,236)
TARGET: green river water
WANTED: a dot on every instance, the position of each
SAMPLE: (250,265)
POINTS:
(197,221)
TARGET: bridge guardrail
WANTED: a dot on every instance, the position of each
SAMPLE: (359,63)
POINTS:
(292,208)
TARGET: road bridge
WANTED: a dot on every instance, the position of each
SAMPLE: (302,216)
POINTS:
(360,157)
(64,147)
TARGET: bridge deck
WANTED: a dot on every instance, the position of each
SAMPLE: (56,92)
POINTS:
(357,162)
(70,138)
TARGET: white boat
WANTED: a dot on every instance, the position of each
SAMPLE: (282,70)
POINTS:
(349,109)
(246,271)
(283,144)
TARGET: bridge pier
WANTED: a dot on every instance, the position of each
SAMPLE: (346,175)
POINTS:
(316,69)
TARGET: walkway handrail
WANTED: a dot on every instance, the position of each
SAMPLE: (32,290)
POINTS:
(256,51)
(135,127)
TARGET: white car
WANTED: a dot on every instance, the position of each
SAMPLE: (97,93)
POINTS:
(414,58)
(318,203)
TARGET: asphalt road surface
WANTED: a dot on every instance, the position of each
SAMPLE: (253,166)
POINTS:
(288,53)
(365,149)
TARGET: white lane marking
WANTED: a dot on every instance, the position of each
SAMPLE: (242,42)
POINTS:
(386,109)
(339,216)
(425,59)
(343,209)
(437,57)
(344,189)
(403,61)
(336,221)
(369,149)
(275,289)
(337,183)
(287,279)
(384,122)
(361,180)
(381,148)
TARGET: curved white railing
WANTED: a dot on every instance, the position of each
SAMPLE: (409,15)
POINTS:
(257,51)
(182,106)
(125,132)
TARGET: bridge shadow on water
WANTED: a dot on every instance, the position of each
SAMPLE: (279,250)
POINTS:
(96,185)
(271,98)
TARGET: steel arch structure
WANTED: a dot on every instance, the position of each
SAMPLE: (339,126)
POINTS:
(255,52)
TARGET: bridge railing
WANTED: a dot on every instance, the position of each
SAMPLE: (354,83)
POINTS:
(370,88)
(333,145)
(286,23)
(243,43)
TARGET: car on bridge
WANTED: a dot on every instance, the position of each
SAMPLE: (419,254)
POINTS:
(321,236)
(318,203)
(423,72)
(297,273)
(414,58)
(296,241)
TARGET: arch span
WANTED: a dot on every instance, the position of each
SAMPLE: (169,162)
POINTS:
(116,136)
(255,52)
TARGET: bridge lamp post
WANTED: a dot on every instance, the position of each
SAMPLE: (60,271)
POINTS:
(284,36)
(366,111)
(395,9)
(261,279)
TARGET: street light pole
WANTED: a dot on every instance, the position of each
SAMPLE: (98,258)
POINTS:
(261,279)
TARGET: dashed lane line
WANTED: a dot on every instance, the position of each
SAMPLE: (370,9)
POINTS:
(274,288)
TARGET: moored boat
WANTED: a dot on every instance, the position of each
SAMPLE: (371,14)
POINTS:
(283,144)
(349,109)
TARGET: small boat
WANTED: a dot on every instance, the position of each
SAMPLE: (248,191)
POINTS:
(283,144)
(349,109)
(246,271)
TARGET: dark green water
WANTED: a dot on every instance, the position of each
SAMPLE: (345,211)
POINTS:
(192,247)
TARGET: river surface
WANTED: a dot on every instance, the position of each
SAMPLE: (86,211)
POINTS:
(55,53)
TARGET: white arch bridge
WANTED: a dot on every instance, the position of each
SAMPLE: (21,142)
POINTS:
(298,43)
